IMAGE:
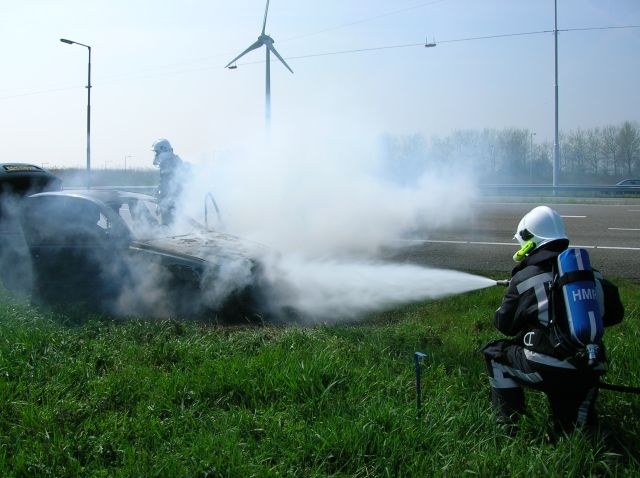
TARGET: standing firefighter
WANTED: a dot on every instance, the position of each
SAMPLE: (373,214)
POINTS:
(554,310)
(172,171)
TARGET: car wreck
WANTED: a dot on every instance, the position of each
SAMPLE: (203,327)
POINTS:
(108,249)
(18,180)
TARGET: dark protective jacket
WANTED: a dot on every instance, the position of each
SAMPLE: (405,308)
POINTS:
(525,310)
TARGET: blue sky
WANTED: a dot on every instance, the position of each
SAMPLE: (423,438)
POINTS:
(158,71)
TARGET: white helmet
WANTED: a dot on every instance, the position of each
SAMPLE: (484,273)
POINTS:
(163,149)
(540,225)
(162,146)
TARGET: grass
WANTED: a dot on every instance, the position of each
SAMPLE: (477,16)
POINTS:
(100,397)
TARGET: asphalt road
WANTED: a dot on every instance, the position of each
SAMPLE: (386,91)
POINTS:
(484,243)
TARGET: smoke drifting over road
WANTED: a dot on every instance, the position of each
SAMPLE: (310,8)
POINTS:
(316,197)
(326,207)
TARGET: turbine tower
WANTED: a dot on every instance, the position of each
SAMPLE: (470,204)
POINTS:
(267,41)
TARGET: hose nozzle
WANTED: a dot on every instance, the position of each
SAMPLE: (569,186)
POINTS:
(504,283)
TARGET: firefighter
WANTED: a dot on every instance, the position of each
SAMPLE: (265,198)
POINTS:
(172,172)
(528,358)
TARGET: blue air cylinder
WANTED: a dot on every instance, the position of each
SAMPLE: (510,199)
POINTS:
(580,297)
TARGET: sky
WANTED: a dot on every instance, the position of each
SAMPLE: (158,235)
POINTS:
(158,71)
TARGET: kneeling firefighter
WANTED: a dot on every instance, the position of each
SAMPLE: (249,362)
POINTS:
(537,355)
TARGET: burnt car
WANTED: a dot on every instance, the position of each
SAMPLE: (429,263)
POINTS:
(108,249)
(21,179)
(18,180)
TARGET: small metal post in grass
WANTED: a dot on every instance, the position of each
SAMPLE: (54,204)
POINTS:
(416,360)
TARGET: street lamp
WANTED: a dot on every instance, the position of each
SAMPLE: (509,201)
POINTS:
(125,160)
(531,155)
(556,141)
(71,42)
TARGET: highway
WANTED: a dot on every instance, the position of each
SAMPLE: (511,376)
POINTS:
(484,242)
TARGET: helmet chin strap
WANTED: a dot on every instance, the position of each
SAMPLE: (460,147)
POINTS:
(526,248)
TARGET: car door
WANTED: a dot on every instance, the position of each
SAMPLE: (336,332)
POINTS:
(75,257)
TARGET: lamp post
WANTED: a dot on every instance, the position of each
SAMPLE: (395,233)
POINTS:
(71,42)
(531,155)
(556,141)
(125,160)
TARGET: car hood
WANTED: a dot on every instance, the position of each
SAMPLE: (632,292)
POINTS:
(208,246)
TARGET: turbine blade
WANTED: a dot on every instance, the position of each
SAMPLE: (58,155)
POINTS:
(275,52)
(264,23)
(257,44)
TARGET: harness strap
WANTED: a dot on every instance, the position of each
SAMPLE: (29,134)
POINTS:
(576,276)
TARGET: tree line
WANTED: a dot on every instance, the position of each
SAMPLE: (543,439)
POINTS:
(598,155)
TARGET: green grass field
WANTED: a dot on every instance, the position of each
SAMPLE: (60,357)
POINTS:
(95,396)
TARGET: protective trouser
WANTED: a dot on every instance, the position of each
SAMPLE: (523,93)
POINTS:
(571,392)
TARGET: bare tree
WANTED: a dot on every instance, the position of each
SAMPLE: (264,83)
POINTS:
(575,151)
(488,140)
(514,146)
(594,150)
(629,145)
(610,148)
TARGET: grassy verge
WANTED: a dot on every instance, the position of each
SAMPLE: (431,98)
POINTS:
(100,397)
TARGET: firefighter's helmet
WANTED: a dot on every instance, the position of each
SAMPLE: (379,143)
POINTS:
(163,150)
(541,225)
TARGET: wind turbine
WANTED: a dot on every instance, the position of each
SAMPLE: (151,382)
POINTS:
(267,41)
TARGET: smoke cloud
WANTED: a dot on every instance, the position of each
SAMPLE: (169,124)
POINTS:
(319,197)
(327,207)
(302,220)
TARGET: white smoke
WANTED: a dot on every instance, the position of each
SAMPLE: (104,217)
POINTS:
(320,197)
(324,206)
(334,290)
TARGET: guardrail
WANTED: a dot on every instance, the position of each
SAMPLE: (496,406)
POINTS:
(500,189)
(568,189)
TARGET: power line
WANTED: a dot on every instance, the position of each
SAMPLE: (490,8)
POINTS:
(363,50)
(538,32)
(39,92)
(364,20)
(503,35)
(457,40)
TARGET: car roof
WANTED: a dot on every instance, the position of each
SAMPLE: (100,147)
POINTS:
(7,168)
(102,195)
(23,177)
(23,169)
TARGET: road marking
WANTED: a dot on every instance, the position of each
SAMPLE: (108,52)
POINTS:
(581,217)
(634,210)
(510,244)
(622,229)
(553,205)
(619,248)
(434,241)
